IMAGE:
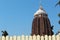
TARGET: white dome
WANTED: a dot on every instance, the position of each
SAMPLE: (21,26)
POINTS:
(40,11)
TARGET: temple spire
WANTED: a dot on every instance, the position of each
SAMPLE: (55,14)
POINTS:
(41,7)
(40,11)
(41,23)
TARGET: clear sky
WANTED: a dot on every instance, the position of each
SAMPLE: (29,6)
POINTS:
(16,16)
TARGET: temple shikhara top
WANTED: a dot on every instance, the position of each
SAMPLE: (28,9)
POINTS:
(41,23)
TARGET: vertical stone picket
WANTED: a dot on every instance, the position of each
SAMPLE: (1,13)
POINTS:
(3,38)
(42,37)
(34,37)
(57,37)
(18,37)
(26,37)
(7,37)
(50,38)
(22,37)
(14,37)
(11,38)
(30,37)
(46,37)
(53,37)
(38,37)
(0,38)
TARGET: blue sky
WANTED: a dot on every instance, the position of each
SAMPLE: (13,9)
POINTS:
(16,16)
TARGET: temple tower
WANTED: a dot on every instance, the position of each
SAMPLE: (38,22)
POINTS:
(41,23)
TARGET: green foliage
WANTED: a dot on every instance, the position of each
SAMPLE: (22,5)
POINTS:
(4,33)
(58,3)
(59,15)
(59,22)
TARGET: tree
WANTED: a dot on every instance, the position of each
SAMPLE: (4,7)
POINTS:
(59,17)
(58,3)
(4,33)
(59,12)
